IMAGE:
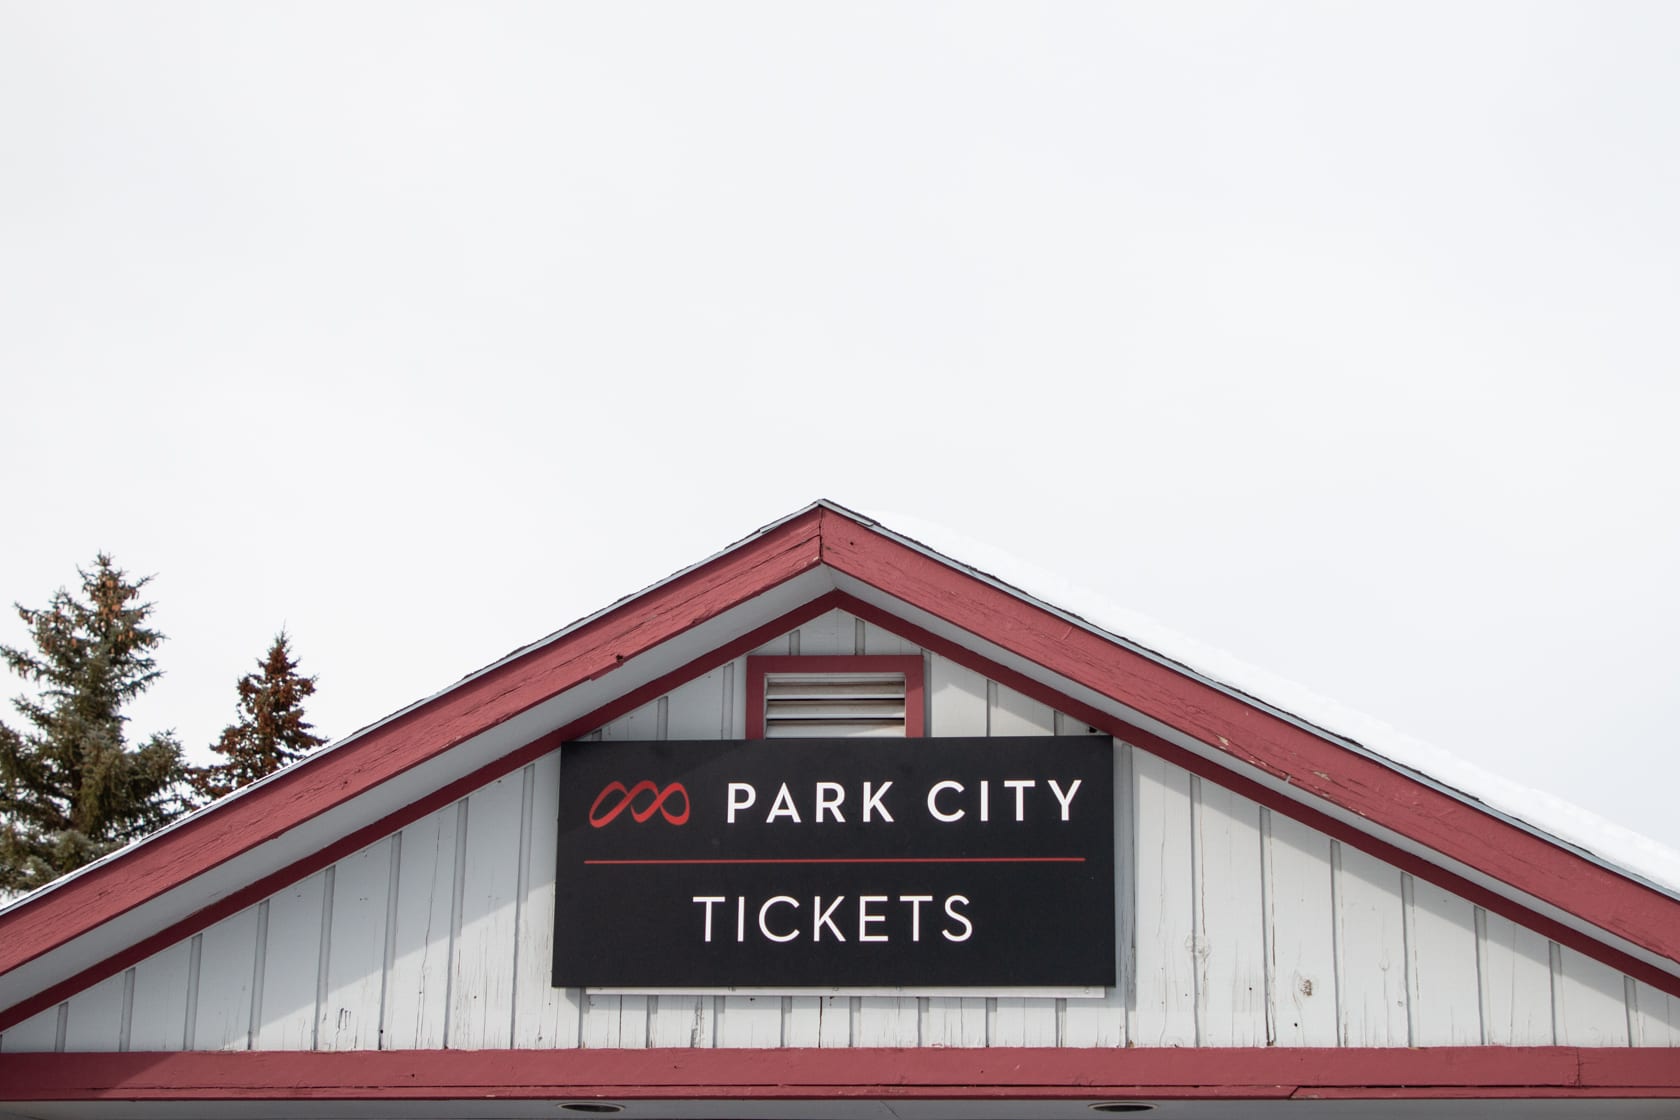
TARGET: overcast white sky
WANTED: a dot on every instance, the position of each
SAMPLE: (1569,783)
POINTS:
(1340,337)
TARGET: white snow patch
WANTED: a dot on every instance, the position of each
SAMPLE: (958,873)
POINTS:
(1627,850)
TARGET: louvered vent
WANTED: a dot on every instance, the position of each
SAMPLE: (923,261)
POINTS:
(819,705)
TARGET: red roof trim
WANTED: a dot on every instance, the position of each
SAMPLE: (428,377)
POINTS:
(1316,765)
(302,792)
(254,892)
(1311,763)
(937,1073)
(1270,798)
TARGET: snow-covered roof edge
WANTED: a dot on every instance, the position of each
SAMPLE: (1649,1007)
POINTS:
(1605,842)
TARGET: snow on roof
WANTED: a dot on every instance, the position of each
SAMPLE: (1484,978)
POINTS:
(1628,851)
(1621,847)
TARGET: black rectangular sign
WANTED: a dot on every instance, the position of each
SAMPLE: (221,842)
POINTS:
(836,863)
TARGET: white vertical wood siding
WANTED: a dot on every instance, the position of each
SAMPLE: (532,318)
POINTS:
(1238,927)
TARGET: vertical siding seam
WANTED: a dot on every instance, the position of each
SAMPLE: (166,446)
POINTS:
(259,966)
(426,942)
(585,1003)
(457,899)
(125,1029)
(859,641)
(1479,918)
(1268,936)
(522,883)
(728,676)
(324,958)
(63,1027)
(1127,830)
(189,1026)
(793,644)
(927,694)
(1336,939)
(1408,939)
(1630,1001)
(1198,912)
(390,956)
(1554,959)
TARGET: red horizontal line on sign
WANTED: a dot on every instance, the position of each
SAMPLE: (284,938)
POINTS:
(845,859)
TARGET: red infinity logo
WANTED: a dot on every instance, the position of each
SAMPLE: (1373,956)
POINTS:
(598,817)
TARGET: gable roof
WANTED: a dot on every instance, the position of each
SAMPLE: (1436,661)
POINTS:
(230,854)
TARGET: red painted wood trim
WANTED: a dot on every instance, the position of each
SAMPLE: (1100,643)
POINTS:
(915,692)
(935,1073)
(256,891)
(1323,768)
(1316,765)
(1264,795)
(302,792)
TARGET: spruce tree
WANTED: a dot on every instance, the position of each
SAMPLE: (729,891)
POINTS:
(71,788)
(271,730)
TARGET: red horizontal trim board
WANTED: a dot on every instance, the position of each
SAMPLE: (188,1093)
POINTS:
(256,891)
(468,709)
(1053,1074)
(1311,763)
(1271,799)
(915,705)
